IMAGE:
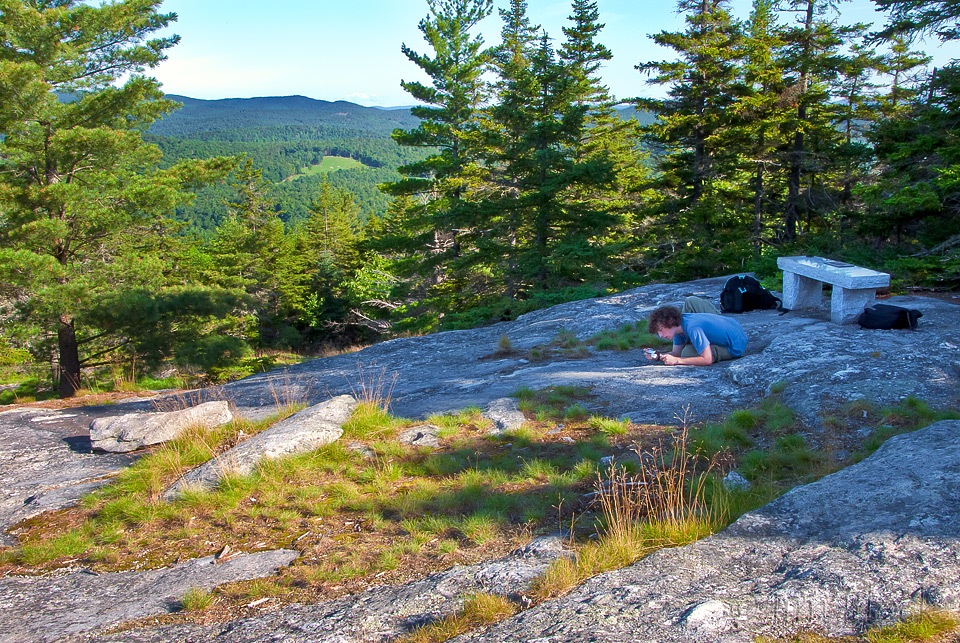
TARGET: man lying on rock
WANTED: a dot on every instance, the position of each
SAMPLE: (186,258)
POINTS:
(699,338)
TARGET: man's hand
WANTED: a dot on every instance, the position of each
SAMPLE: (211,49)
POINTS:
(703,359)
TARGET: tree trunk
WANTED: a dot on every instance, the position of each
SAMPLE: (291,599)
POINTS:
(758,188)
(792,207)
(69,372)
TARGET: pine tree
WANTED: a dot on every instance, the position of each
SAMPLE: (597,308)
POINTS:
(80,190)
(760,112)
(608,144)
(695,166)
(811,60)
(441,182)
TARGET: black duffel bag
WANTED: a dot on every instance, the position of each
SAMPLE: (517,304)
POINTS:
(887,317)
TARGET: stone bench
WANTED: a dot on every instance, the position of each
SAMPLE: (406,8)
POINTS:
(853,287)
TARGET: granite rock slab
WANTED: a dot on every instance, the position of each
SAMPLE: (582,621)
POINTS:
(129,432)
(378,615)
(50,608)
(46,462)
(303,431)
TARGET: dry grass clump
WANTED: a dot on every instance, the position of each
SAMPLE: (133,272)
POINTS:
(664,505)
(374,385)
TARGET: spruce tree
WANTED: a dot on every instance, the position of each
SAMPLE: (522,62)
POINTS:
(854,110)
(811,60)
(916,187)
(246,249)
(505,125)
(544,236)
(608,145)
(333,229)
(80,191)
(906,70)
(695,166)
(330,240)
(918,175)
(701,88)
(584,56)
(940,17)
(760,112)
(441,183)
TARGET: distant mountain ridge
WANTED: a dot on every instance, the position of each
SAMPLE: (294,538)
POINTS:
(204,116)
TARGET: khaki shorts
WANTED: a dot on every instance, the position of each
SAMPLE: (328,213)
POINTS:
(698,305)
(720,353)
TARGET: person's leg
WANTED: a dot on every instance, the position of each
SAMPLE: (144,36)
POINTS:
(698,305)
(690,351)
(720,353)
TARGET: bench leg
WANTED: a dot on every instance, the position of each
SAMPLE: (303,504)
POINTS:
(847,304)
(801,292)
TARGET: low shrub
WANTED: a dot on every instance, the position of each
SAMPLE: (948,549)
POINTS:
(26,391)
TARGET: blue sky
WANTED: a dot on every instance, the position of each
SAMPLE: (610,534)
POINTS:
(350,49)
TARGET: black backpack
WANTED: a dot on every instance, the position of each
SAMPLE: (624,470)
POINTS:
(887,317)
(742,293)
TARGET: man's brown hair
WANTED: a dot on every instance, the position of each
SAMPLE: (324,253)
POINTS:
(664,317)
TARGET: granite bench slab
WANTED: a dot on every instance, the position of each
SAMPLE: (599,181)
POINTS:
(854,288)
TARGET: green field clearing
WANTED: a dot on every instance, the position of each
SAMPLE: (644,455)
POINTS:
(329,164)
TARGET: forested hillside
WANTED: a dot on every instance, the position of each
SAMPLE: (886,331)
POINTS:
(286,136)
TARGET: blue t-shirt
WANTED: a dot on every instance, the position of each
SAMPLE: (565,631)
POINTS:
(701,329)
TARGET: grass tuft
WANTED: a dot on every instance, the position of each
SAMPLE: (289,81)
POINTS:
(922,626)
(71,544)
(608,425)
(504,347)
(369,420)
(627,337)
(196,599)
(478,610)
(926,626)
